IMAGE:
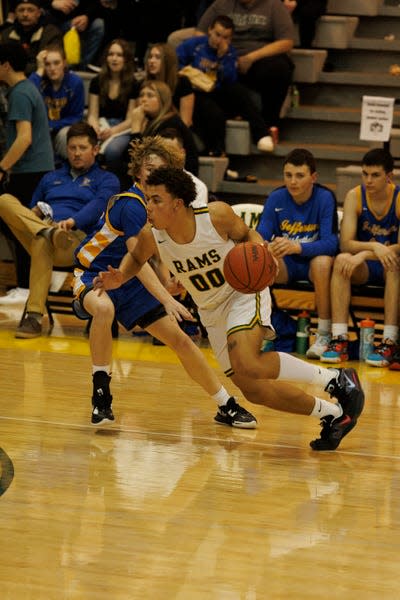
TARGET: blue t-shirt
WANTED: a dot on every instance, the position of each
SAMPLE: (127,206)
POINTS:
(26,104)
(313,224)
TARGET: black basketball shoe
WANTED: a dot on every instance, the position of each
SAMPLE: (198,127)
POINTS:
(101,399)
(346,388)
(235,415)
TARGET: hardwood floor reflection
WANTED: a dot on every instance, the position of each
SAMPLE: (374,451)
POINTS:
(166,504)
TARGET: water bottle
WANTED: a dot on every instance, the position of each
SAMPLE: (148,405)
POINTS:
(295,97)
(303,332)
(367,331)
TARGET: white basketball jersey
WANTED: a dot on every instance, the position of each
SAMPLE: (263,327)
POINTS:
(198,265)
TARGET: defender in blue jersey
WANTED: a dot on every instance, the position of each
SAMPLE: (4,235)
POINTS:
(143,300)
(370,248)
(300,222)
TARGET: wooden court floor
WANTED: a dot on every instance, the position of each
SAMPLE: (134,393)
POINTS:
(168,505)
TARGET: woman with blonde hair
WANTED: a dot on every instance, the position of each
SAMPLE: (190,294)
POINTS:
(161,63)
(155,113)
(112,96)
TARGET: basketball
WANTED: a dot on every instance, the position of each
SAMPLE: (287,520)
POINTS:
(249,267)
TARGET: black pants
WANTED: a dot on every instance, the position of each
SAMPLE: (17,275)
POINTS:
(213,108)
(22,187)
(270,77)
(306,14)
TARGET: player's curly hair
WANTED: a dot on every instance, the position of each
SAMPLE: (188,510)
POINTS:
(177,182)
(139,149)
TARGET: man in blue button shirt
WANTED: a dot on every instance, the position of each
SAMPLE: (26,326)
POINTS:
(77,195)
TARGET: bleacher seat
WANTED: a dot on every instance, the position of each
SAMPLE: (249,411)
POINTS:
(212,170)
(249,212)
(335,31)
(355,7)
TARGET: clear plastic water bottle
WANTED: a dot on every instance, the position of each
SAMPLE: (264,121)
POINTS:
(303,332)
(367,332)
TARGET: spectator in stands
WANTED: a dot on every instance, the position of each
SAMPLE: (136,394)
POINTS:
(63,94)
(370,248)
(216,57)
(29,152)
(161,63)
(31,30)
(306,14)
(112,96)
(82,15)
(263,37)
(155,113)
(76,195)
(299,221)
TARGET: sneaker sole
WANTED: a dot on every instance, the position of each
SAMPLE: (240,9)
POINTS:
(19,335)
(333,360)
(251,425)
(238,425)
(377,363)
(361,402)
(103,422)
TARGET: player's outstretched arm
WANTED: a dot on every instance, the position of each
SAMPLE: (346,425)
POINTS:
(151,282)
(140,249)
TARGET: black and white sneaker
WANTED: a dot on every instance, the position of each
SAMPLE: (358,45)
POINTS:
(102,414)
(235,415)
(101,399)
(346,388)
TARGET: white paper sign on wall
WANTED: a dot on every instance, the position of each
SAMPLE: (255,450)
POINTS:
(376,118)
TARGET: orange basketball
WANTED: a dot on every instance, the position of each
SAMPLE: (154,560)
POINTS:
(249,267)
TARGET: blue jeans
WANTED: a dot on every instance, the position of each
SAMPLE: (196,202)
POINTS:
(116,148)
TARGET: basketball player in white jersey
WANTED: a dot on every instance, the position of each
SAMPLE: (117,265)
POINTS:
(193,243)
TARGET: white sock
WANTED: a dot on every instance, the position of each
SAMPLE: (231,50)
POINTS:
(339,329)
(390,332)
(221,397)
(106,368)
(323,408)
(324,326)
(294,369)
